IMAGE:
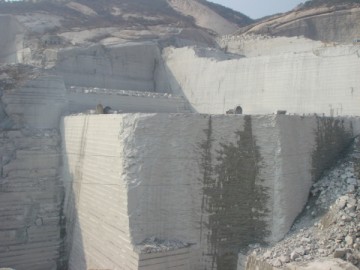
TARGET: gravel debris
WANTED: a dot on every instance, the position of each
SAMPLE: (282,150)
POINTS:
(329,226)
(154,245)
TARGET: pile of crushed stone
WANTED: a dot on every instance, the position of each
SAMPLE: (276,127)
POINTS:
(329,227)
(154,245)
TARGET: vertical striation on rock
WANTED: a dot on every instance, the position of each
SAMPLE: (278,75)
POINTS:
(198,188)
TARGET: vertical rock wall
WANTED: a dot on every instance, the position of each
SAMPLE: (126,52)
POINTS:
(203,186)
(31,197)
(11,40)
(31,190)
(133,66)
(96,198)
(323,81)
(37,103)
(309,145)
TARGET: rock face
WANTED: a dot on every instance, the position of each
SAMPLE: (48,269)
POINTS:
(227,181)
(123,20)
(204,16)
(31,192)
(31,199)
(314,81)
(170,191)
(129,67)
(38,103)
(328,227)
(326,23)
(11,40)
(32,222)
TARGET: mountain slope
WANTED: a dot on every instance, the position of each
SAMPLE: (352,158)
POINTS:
(334,20)
(135,14)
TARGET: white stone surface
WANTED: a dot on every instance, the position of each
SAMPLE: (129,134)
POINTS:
(257,45)
(204,16)
(325,81)
(132,66)
(131,177)
(39,103)
(95,193)
(30,199)
(82,8)
(84,36)
(11,40)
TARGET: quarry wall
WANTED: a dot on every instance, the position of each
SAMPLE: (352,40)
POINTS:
(32,223)
(31,191)
(39,103)
(206,185)
(11,40)
(260,45)
(131,66)
(323,81)
(165,191)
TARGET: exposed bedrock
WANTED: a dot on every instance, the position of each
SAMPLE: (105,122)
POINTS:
(31,191)
(188,191)
(130,66)
(11,40)
(324,23)
(32,225)
(38,103)
(323,80)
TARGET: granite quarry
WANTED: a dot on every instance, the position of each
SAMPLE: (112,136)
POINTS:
(166,179)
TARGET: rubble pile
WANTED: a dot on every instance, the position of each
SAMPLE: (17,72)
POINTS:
(329,226)
(14,75)
(154,244)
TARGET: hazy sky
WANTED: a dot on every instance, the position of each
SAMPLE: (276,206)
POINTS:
(259,8)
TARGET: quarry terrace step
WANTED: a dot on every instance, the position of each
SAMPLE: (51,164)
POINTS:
(121,92)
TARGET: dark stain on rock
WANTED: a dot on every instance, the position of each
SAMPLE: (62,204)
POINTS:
(356,149)
(233,197)
(332,139)
(206,165)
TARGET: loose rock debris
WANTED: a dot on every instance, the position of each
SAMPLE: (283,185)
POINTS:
(330,224)
(154,244)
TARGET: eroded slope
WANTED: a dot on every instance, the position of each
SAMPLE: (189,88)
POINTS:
(333,21)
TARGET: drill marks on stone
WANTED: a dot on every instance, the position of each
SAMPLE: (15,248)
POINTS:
(30,199)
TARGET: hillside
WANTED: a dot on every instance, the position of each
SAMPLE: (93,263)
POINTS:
(133,14)
(318,3)
(330,21)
